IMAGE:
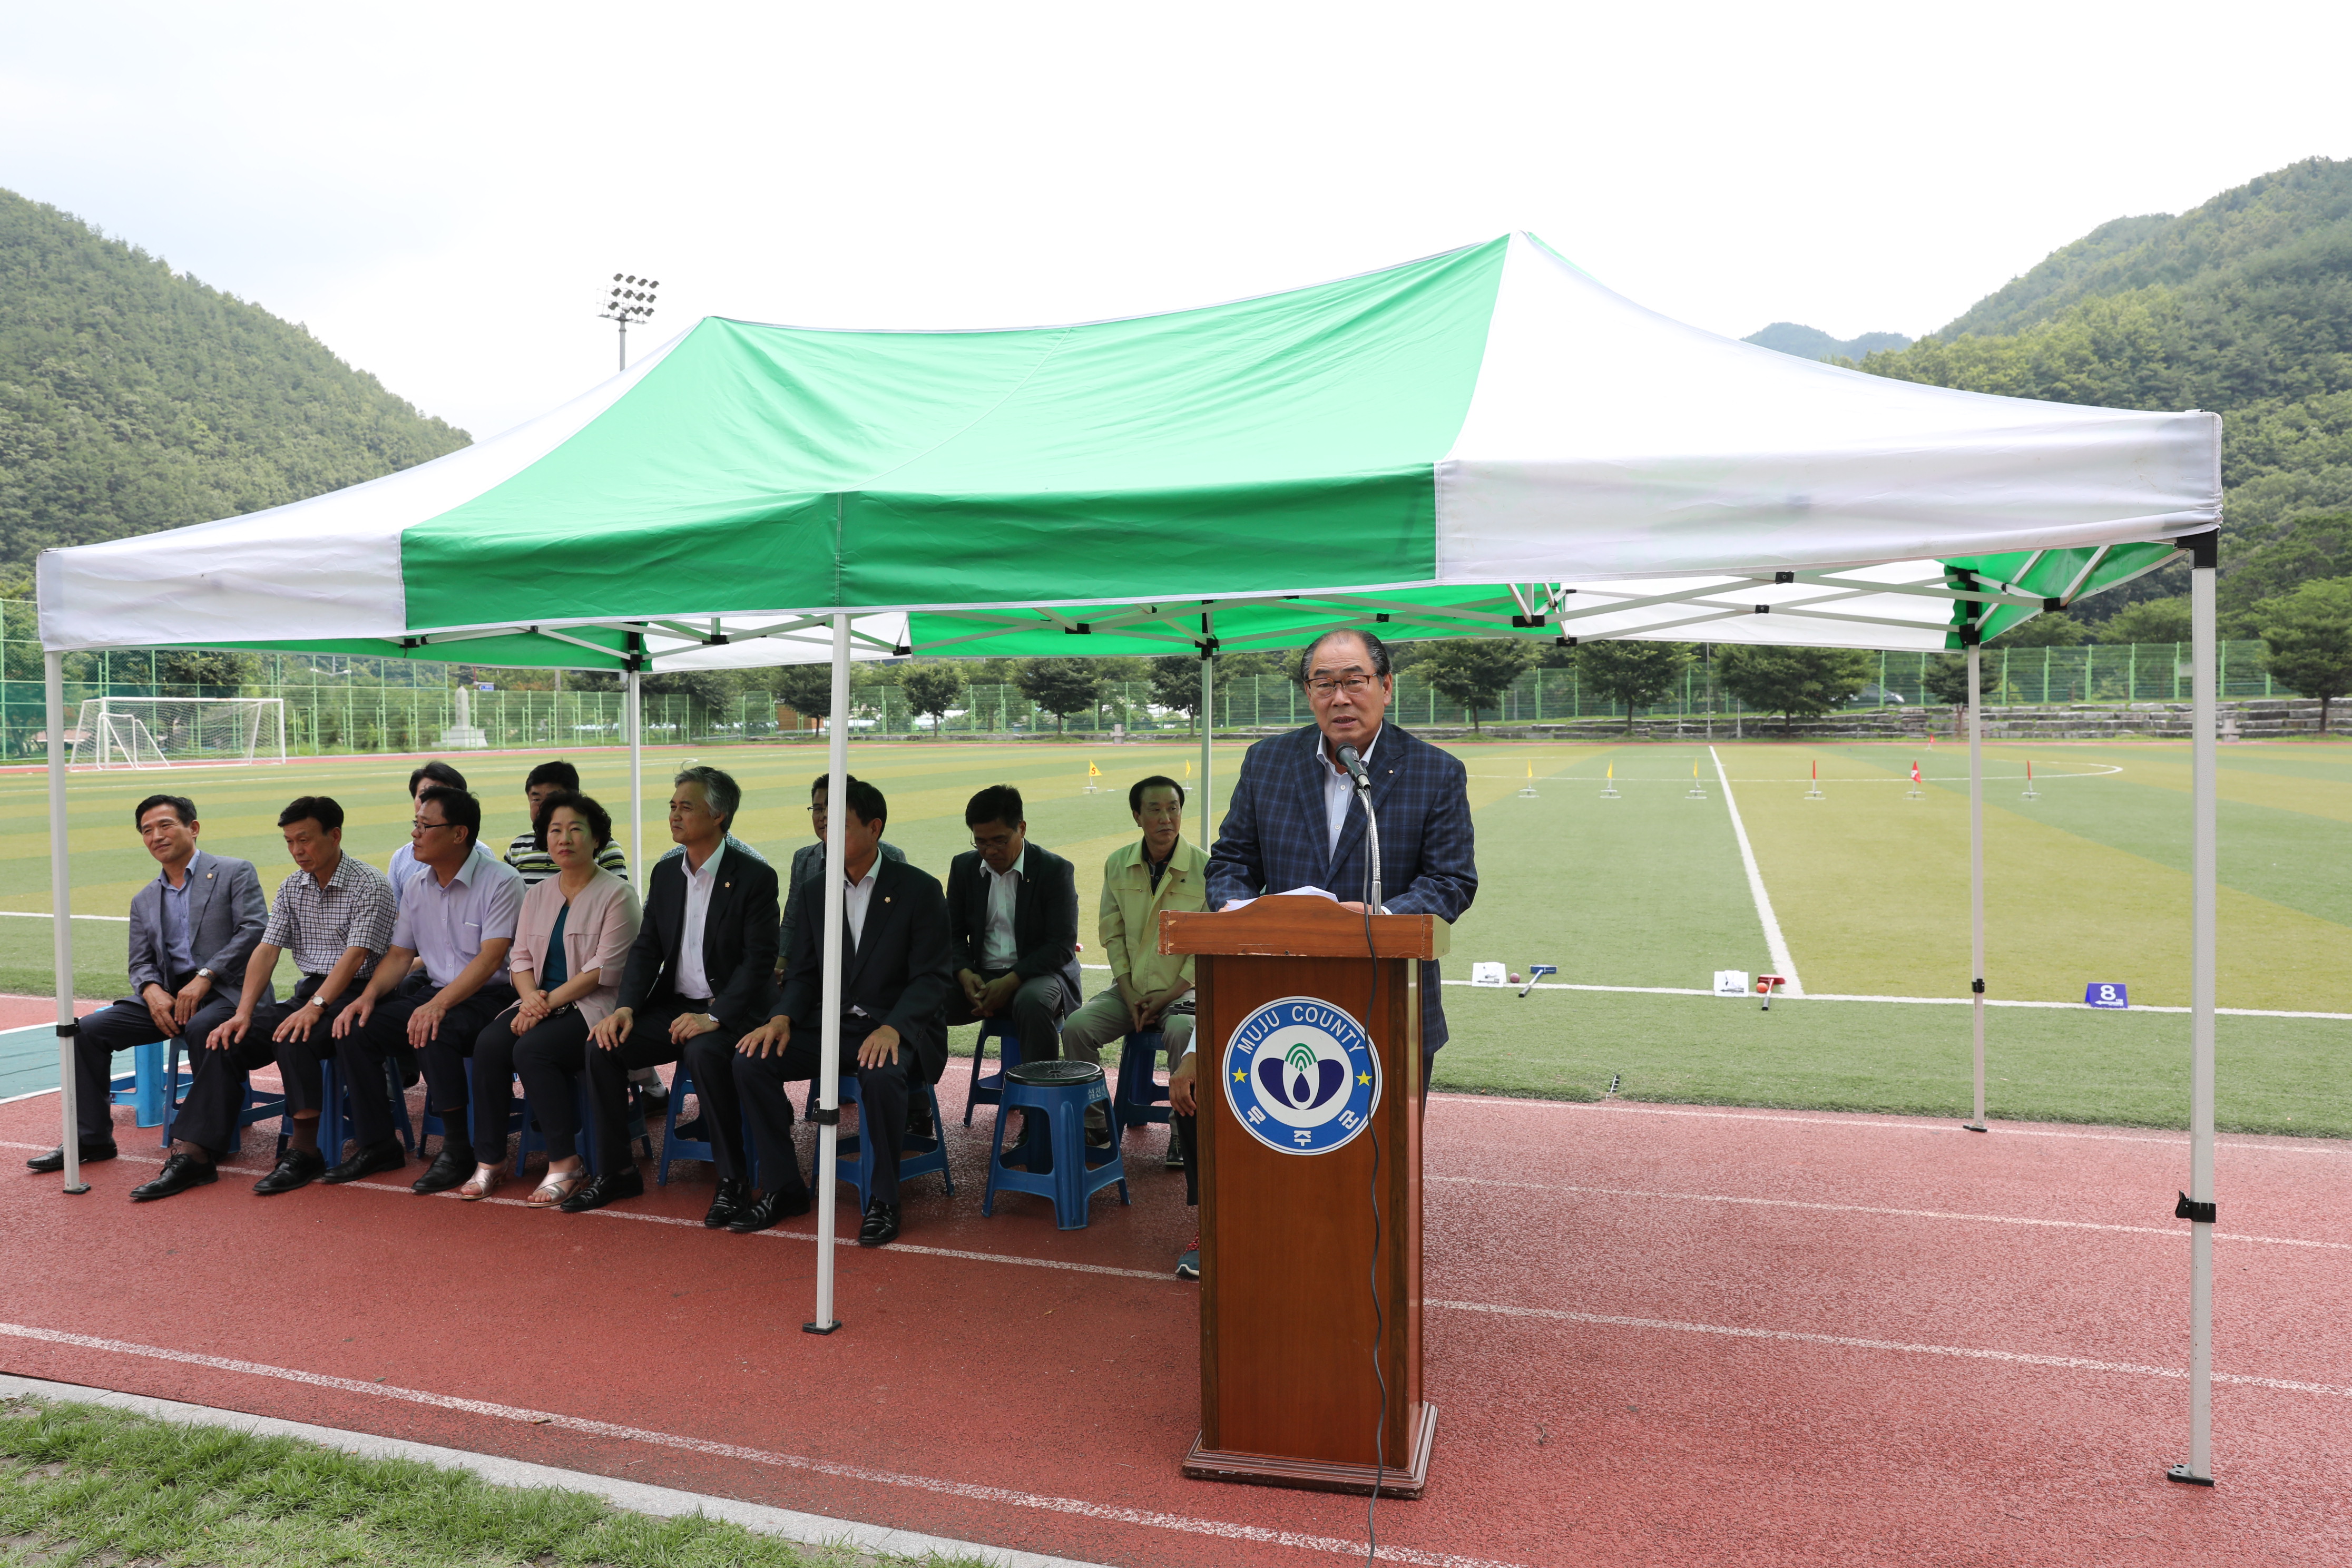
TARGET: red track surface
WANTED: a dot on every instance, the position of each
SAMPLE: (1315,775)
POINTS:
(1663,1336)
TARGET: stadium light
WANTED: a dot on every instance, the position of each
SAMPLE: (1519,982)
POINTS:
(630,299)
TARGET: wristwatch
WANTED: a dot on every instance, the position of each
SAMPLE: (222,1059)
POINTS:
(204,974)
(314,1001)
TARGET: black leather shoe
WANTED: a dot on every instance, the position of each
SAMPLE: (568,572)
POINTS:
(366,1161)
(881,1227)
(295,1168)
(768,1210)
(726,1204)
(180,1173)
(919,1120)
(55,1160)
(599,1191)
(447,1170)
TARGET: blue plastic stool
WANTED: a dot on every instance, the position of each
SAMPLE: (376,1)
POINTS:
(260,1105)
(673,1147)
(1141,1099)
(334,1116)
(989,1091)
(142,1087)
(853,1156)
(1060,1091)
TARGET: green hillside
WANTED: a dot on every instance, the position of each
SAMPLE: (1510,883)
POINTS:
(134,398)
(1811,342)
(2242,306)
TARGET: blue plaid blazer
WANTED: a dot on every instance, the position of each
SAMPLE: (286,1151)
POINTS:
(1276,836)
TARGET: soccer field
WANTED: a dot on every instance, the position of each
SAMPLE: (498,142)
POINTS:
(1645,893)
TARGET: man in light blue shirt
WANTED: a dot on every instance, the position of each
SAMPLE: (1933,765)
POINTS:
(458,914)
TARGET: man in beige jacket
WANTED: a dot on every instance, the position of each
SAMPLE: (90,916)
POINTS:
(1150,990)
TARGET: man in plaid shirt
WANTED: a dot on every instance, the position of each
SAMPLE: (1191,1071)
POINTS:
(335,915)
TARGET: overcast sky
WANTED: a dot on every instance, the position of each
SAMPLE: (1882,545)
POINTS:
(442,192)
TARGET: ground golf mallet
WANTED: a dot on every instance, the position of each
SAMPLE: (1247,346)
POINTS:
(1536,971)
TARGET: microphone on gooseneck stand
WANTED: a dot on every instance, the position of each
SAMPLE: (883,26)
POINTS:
(1353,762)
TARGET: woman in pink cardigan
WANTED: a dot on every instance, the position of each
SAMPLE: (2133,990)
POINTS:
(570,943)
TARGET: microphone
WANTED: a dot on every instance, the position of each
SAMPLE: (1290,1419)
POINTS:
(1355,766)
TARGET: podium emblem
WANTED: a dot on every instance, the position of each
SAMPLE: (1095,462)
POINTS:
(1301,1076)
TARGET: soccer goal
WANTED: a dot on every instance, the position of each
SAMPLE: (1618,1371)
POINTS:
(169,731)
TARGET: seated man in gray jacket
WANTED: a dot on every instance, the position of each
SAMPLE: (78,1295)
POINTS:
(192,930)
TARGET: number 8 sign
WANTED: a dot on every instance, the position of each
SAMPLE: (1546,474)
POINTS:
(2105,994)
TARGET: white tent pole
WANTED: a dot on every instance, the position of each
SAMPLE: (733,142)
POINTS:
(53,682)
(633,719)
(1975,867)
(828,1082)
(1208,727)
(2197,1204)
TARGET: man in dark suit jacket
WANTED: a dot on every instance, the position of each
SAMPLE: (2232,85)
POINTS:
(1012,913)
(1294,822)
(192,929)
(698,975)
(805,860)
(894,995)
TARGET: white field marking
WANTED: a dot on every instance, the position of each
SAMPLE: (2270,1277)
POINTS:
(2176,1140)
(1965,1352)
(1912,1001)
(2174,1231)
(47,914)
(1774,942)
(1107,1512)
(660,1502)
(2094,772)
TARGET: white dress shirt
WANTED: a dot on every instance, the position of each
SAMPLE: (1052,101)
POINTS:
(856,899)
(692,983)
(997,948)
(1339,789)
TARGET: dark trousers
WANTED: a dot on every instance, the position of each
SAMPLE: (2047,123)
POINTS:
(126,1026)
(648,1045)
(882,1095)
(549,1057)
(1036,1013)
(384,1037)
(298,1060)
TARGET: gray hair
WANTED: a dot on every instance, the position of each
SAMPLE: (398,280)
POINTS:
(1376,649)
(720,791)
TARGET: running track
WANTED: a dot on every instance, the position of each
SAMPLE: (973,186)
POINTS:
(1658,1335)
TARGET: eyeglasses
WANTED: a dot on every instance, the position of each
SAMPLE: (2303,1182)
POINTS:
(1353,685)
(1002,841)
(424,827)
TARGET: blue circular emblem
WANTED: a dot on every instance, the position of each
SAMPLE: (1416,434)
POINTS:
(1301,1076)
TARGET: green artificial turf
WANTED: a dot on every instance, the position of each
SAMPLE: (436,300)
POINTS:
(84,1484)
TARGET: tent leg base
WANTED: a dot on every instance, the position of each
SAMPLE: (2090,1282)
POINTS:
(2187,1478)
(832,1326)
(76,1190)
(1974,1127)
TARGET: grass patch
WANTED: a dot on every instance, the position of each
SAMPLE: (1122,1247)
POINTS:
(86,1484)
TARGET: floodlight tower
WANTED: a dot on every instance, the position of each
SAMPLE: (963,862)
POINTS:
(631,300)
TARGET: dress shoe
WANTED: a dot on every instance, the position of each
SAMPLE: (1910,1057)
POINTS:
(1174,1159)
(919,1120)
(55,1160)
(769,1209)
(726,1204)
(366,1161)
(295,1168)
(447,1170)
(626,1183)
(881,1227)
(180,1173)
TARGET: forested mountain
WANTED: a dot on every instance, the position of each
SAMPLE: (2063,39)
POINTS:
(1811,342)
(134,398)
(2242,306)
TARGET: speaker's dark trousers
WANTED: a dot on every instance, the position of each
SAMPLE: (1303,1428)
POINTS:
(208,1116)
(881,1103)
(125,1027)
(384,1037)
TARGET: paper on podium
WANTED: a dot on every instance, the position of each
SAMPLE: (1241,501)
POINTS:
(1294,893)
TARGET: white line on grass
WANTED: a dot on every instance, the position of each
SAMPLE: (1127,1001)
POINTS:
(661,1502)
(1913,1001)
(51,914)
(1966,1353)
(1924,1124)
(1774,942)
(1108,1513)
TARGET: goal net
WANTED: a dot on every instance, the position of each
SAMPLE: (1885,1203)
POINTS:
(165,731)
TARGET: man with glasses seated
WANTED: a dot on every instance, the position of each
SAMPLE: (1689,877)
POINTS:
(1012,920)
(1294,820)
(806,860)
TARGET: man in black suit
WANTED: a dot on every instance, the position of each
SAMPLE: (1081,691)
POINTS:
(1012,913)
(697,981)
(894,996)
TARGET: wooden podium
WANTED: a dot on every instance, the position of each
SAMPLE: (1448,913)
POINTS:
(1291,1254)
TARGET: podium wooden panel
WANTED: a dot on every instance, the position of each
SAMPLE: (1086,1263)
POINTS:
(1289,1319)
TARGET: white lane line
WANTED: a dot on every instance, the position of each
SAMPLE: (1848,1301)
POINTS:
(1774,942)
(51,914)
(1914,1001)
(2174,1232)
(2176,1140)
(1965,1352)
(1108,1513)
(660,1503)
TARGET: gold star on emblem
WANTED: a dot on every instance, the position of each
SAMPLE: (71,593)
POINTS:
(1363,1078)
(1240,1076)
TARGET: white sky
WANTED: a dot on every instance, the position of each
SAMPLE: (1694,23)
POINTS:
(443,192)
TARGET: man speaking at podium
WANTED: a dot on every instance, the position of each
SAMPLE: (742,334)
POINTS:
(1295,821)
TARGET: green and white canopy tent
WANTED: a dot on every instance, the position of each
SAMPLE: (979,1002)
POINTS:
(1485,442)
